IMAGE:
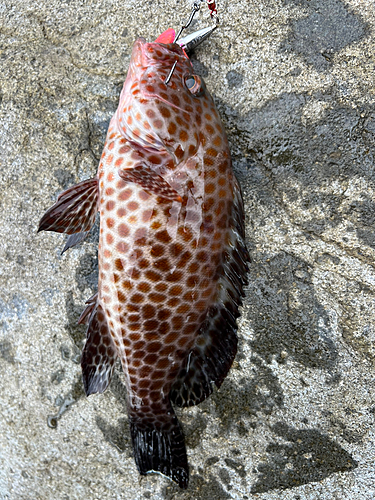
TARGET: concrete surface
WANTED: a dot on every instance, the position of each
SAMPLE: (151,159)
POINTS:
(294,83)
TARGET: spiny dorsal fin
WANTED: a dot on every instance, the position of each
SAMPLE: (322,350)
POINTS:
(99,354)
(216,345)
(74,211)
(150,181)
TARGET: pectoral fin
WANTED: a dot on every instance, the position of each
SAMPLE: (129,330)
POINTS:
(74,211)
(151,182)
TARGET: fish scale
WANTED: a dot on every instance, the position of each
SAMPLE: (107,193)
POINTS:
(172,255)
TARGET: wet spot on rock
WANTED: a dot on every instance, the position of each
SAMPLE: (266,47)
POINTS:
(199,487)
(58,376)
(225,477)
(20,260)
(193,430)
(328,28)
(118,389)
(198,67)
(6,351)
(76,332)
(87,272)
(65,402)
(286,315)
(212,461)
(311,456)
(64,178)
(234,78)
(259,393)
(238,467)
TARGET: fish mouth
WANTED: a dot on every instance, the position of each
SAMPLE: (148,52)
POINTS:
(152,62)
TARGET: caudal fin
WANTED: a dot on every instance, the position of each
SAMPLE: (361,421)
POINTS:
(160,447)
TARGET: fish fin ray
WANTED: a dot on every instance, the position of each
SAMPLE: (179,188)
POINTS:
(74,211)
(151,182)
(74,239)
(91,303)
(160,448)
(210,359)
(99,354)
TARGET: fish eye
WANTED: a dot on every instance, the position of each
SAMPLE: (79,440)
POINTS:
(195,85)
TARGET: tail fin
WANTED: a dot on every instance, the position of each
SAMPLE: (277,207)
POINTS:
(160,447)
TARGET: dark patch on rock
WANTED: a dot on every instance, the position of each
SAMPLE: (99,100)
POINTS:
(116,435)
(310,457)
(327,29)
(212,461)
(367,237)
(78,390)
(64,178)
(20,260)
(6,351)
(234,79)
(193,429)
(287,158)
(260,393)
(73,311)
(198,67)
(87,272)
(236,466)
(285,314)
(65,402)
(225,477)
(118,388)
(58,376)
(365,211)
(204,488)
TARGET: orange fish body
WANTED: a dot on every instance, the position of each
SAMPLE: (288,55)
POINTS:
(172,255)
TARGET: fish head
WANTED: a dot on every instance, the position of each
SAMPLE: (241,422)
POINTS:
(158,115)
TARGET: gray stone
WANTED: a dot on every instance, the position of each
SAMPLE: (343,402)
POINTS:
(294,83)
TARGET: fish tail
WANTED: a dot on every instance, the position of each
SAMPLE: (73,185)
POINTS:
(159,445)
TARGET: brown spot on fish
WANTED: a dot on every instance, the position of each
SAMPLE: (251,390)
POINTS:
(124,195)
(123,230)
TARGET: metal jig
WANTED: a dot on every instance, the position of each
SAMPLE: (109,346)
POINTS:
(189,42)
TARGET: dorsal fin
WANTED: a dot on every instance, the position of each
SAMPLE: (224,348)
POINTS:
(74,211)
(216,345)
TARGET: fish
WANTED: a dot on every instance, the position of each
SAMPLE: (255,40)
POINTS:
(172,254)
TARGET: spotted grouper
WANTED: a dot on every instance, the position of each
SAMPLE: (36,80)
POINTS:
(172,253)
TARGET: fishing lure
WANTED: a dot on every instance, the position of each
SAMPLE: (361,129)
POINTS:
(172,253)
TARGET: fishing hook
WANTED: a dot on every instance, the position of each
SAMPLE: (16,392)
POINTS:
(167,80)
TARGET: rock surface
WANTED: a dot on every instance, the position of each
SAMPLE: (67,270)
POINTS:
(294,83)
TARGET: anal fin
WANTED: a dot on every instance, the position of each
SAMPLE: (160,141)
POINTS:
(150,181)
(99,354)
(74,211)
